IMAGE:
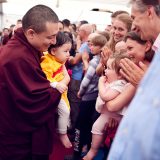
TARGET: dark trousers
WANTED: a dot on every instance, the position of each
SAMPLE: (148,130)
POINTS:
(86,118)
(74,101)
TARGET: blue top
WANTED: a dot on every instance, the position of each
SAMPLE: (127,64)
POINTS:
(138,136)
(77,70)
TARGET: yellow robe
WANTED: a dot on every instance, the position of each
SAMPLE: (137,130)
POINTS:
(54,72)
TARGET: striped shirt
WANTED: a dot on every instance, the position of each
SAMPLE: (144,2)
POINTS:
(89,85)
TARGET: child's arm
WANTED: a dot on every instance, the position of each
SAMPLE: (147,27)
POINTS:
(66,78)
(110,94)
(75,60)
(122,99)
(106,93)
(62,86)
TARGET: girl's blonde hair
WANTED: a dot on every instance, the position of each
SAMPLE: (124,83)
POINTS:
(126,19)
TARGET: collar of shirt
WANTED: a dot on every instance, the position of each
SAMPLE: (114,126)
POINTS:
(156,44)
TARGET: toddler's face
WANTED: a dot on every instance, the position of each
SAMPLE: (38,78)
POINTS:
(62,53)
(110,72)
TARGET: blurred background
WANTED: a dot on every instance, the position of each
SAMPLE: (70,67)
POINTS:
(74,10)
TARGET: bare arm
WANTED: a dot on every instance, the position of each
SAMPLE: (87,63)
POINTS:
(74,60)
(106,93)
(122,99)
(85,60)
(110,94)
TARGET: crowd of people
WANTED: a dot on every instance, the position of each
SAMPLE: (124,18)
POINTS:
(96,90)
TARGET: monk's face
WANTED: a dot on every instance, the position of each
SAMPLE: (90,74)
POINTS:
(41,41)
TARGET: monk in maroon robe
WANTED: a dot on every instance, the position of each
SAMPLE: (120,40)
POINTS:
(27,102)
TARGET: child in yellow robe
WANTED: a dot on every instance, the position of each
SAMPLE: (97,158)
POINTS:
(53,65)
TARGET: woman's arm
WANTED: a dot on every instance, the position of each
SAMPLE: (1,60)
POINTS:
(122,99)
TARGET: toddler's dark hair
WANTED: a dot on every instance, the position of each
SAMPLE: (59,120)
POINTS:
(61,38)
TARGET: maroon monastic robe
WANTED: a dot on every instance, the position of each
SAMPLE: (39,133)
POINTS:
(27,102)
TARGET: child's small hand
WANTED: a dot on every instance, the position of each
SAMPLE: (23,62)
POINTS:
(102,79)
(61,87)
(70,59)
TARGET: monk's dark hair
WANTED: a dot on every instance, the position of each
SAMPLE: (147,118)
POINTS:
(37,17)
(61,38)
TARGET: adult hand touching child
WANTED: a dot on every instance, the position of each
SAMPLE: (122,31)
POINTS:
(141,55)
(132,72)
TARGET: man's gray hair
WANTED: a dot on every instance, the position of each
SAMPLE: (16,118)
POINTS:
(143,4)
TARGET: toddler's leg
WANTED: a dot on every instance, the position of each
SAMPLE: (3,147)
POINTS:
(65,140)
(63,122)
(96,143)
(97,136)
(99,104)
